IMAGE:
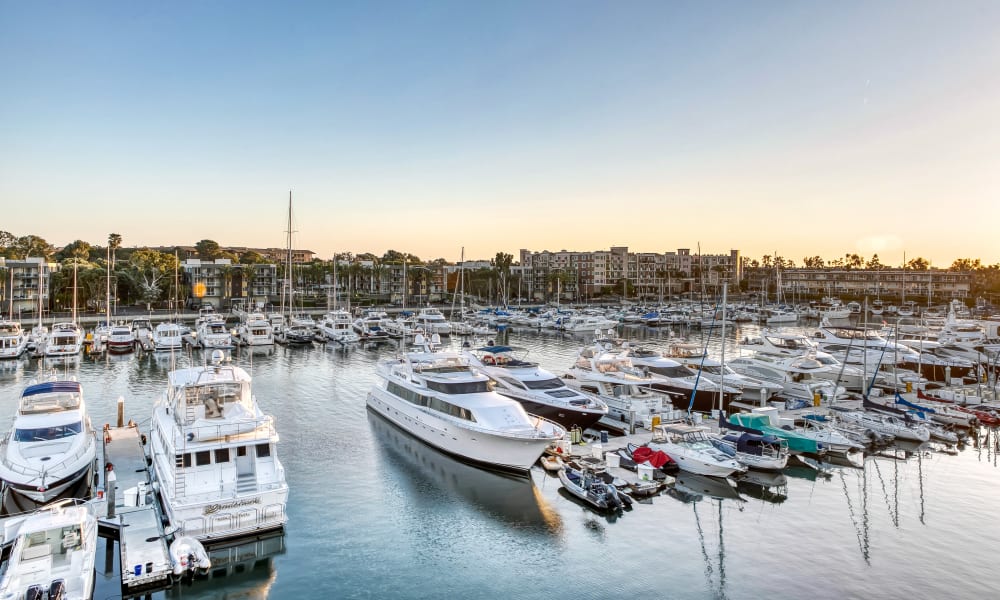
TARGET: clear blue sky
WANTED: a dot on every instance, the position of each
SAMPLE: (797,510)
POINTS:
(797,128)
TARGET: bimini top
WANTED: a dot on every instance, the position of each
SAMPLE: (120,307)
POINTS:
(51,396)
(52,387)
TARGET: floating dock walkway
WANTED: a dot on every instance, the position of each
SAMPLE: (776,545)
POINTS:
(133,513)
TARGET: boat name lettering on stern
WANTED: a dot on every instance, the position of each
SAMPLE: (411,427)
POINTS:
(211,509)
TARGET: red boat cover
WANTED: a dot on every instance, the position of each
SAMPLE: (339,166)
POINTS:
(655,458)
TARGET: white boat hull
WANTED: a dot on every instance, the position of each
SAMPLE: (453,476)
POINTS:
(479,446)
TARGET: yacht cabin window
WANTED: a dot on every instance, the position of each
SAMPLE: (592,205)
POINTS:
(544,384)
(44,434)
(222,455)
(202,458)
(263,450)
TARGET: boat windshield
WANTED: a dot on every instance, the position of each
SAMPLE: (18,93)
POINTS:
(675,371)
(46,434)
(544,384)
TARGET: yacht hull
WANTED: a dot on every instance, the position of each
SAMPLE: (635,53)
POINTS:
(483,448)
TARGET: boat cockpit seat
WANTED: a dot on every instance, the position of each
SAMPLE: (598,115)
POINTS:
(34,593)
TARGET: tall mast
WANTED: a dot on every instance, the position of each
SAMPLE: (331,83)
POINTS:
(107,302)
(74,289)
(288,266)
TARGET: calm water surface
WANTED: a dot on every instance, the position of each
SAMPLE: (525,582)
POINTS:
(373,513)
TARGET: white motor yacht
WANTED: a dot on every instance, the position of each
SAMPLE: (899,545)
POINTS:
(212,333)
(440,398)
(432,321)
(337,326)
(65,339)
(539,391)
(13,339)
(142,331)
(256,330)
(798,375)
(168,336)
(214,454)
(53,554)
(51,445)
(693,451)
(618,383)
(120,339)
(681,383)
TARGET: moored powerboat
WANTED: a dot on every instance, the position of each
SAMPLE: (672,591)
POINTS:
(213,452)
(53,554)
(442,399)
(13,339)
(51,445)
(539,391)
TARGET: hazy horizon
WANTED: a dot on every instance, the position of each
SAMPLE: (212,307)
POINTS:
(789,128)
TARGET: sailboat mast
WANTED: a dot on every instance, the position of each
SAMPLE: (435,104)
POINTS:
(722,336)
(288,265)
(107,302)
(74,289)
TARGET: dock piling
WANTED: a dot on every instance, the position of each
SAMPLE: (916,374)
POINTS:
(121,411)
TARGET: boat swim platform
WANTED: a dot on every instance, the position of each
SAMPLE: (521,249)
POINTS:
(133,516)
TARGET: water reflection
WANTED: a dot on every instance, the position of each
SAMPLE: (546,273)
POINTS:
(762,485)
(244,570)
(513,500)
(703,485)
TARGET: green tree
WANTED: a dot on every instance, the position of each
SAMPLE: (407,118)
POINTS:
(874,264)
(7,243)
(31,245)
(208,250)
(918,264)
(501,264)
(114,243)
(76,249)
(965,264)
(148,271)
(252,258)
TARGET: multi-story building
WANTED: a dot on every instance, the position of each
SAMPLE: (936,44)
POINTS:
(925,286)
(24,283)
(646,275)
(221,281)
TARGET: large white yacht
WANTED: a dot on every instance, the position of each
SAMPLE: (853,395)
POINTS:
(440,398)
(618,383)
(64,339)
(13,339)
(167,336)
(53,555)
(337,326)
(211,332)
(213,454)
(800,377)
(256,330)
(682,384)
(51,445)
(539,391)
(432,321)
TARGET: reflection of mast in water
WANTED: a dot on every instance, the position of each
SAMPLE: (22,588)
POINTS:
(920,480)
(894,514)
(704,550)
(862,531)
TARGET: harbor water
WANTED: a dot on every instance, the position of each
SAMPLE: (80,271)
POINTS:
(374,513)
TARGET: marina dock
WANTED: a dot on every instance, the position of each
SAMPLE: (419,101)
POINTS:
(133,514)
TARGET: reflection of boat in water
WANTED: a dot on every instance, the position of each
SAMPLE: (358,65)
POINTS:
(767,486)
(242,570)
(716,487)
(506,497)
